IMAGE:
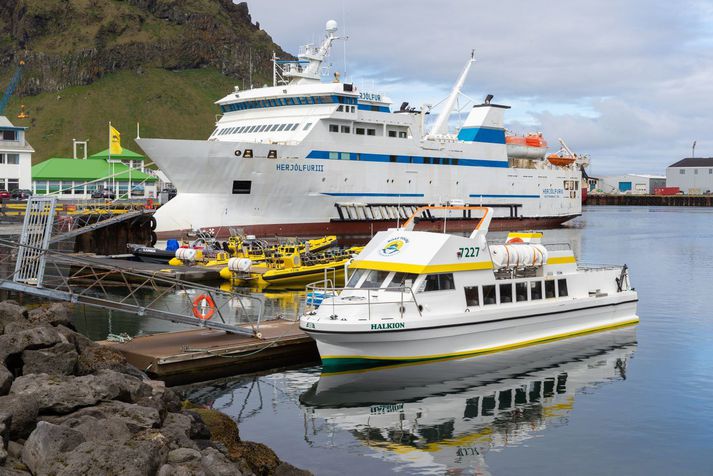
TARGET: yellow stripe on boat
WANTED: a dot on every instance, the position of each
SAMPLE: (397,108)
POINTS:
(488,350)
(420,268)
(561,260)
(524,235)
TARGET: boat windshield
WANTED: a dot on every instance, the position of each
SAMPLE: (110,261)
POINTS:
(374,279)
(400,279)
(356,277)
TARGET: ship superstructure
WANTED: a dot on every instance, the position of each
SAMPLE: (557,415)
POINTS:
(305,156)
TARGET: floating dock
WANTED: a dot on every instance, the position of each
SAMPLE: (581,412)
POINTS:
(193,274)
(197,355)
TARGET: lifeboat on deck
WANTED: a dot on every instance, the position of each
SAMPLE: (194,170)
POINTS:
(560,160)
(531,146)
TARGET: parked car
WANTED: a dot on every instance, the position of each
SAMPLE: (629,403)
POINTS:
(4,194)
(21,194)
(103,194)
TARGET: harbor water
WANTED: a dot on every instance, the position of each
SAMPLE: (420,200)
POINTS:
(635,400)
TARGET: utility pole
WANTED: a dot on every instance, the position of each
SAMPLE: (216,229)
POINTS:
(693,150)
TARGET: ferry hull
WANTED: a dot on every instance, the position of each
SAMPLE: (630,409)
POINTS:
(368,228)
(344,350)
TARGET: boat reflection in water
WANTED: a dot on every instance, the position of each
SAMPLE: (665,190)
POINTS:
(445,416)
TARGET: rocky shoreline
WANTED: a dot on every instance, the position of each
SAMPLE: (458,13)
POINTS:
(69,406)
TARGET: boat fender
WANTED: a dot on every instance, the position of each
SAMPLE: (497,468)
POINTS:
(203,307)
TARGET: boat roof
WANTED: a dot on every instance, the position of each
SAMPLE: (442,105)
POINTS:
(421,252)
(290,90)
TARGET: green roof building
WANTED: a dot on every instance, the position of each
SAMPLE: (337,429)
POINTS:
(80,178)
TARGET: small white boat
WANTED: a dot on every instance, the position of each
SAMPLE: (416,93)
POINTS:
(415,296)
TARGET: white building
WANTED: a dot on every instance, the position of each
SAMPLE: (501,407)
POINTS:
(15,157)
(636,184)
(692,175)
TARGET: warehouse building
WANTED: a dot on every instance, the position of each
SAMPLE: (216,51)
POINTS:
(693,176)
(635,184)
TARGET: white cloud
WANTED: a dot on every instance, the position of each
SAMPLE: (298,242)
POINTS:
(627,82)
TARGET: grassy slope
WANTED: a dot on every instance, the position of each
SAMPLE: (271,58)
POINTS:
(167,104)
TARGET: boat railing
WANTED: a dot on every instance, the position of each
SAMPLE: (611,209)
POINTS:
(326,290)
(597,267)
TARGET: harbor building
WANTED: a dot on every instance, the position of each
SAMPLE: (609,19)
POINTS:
(15,157)
(693,175)
(78,178)
(635,184)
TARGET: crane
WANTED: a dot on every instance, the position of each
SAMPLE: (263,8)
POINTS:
(11,87)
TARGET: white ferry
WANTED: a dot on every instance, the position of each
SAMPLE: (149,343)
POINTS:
(305,157)
(417,295)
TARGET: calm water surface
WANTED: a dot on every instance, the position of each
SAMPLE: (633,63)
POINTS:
(632,401)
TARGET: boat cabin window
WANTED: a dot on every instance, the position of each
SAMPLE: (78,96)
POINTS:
(521,292)
(489,294)
(471,296)
(360,131)
(562,287)
(402,135)
(505,293)
(535,290)
(439,282)
(392,133)
(549,289)
(333,128)
(371,132)
(374,279)
(356,277)
(400,280)
(306,126)
(346,129)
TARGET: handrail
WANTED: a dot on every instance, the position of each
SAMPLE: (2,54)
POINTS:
(318,286)
(483,224)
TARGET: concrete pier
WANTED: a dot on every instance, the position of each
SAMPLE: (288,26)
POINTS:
(651,200)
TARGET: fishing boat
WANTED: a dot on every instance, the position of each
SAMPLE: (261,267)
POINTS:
(417,295)
(313,154)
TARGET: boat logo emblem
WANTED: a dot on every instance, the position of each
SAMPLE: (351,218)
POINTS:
(393,246)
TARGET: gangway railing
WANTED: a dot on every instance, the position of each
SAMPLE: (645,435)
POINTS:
(29,266)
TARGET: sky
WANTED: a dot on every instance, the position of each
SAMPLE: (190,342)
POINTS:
(629,82)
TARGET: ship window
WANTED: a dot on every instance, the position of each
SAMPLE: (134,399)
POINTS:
(333,128)
(360,131)
(248,154)
(439,282)
(306,126)
(402,135)
(340,109)
(437,160)
(273,127)
(454,161)
(371,132)
(471,296)
(562,287)
(252,129)
(392,158)
(505,293)
(374,279)
(392,133)
(294,127)
(426,160)
(282,127)
(241,187)
(265,127)
(535,290)
(346,129)
(549,289)
(355,277)
(521,292)
(402,280)
(344,156)
(334,155)
(489,294)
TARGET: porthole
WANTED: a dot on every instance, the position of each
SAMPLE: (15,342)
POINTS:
(238,153)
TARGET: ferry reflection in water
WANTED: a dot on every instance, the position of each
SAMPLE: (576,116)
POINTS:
(446,416)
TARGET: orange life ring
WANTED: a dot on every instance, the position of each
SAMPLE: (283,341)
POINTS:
(203,307)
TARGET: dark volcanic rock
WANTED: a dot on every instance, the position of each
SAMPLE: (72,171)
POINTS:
(135,417)
(24,410)
(10,312)
(54,314)
(48,444)
(35,338)
(5,380)
(60,359)
(5,423)
(144,454)
(97,357)
(62,394)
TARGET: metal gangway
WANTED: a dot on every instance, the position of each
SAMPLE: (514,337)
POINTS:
(30,265)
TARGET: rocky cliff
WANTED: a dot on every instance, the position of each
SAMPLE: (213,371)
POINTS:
(75,42)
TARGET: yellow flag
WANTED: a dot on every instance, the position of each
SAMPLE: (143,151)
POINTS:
(115,148)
